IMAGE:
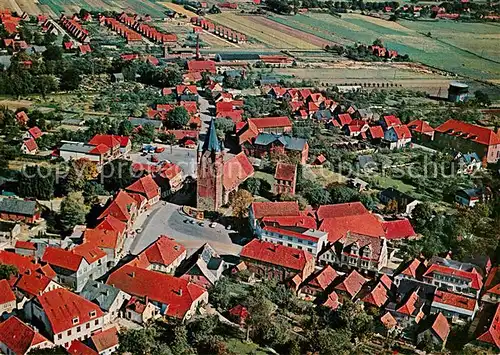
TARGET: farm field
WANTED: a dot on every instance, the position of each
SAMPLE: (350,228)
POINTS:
(253,28)
(177,8)
(353,28)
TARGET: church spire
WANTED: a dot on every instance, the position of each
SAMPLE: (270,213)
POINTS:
(211,142)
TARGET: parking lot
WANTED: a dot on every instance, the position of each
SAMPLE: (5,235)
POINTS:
(184,157)
(166,219)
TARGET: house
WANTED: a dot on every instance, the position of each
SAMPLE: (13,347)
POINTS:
(320,160)
(454,276)
(376,296)
(25,248)
(404,202)
(78,348)
(109,299)
(466,137)
(141,311)
(163,255)
(491,292)
(207,66)
(301,238)
(146,187)
(106,341)
(397,230)
(187,92)
(22,118)
(389,121)
(204,268)
(33,132)
(16,337)
(421,131)
(319,282)
(116,144)
(65,316)
(285,178)
(397,137)
(467,163)
(123,207)
(29,146)
(375,133)
(269,144)
(109,235)
(7,298)
(350,285)
(412,270)
(275,125)
(489,331)
(75,267)
(458,308)
(260,210)
(238,314)
(176,297)
(277,262)
(408,310)
(470,197)
(437,328)
(32,284)
(17,210)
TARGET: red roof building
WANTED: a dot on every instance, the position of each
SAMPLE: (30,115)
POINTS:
(421,128)
(363,225)
(491,335)
(123,207)
(390,121)
(7,297)
(29,146)
(350,285)
(163,255)
(285,178)
(398,229)
(454,305)
(461,135)
(35,132)
(279,262)
(79,348)
(344,119)
(290,221)
(19,338)
(376,297)
(201,66)
(320,281)
(388,321)
(177,297)
(376,132)
(341,210)
(260,210)
(22,263)
(492,286)
(455,277)
(148,188)
(106,341)
(236,170)
(33,284)
(22,118)
(68,315)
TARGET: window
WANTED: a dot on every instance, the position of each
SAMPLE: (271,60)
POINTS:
(92,314)
(78,329)
(96,322)
(69,332)
(59,336)
(87,326)
(75,320)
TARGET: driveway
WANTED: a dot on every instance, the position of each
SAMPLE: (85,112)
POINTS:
(166,219)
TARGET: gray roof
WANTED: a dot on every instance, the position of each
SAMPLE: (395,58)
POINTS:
(137,121)
(119,76)
(36,49)
(99,293)
(16,206)
(5,61)
(291,143)
(76,147)
(207,262)
(364,160)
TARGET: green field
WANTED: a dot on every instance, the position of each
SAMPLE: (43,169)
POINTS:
(139,6)
(454,46)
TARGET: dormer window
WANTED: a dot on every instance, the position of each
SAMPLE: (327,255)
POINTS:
(92,314)
(75,320)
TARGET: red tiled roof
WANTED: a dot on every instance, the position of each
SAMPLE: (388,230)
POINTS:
(339,227)
(275,209)
(475,278)
(145,186)
(22,263)
(62,307)
(398,229)
(455,300)
(344,119)
(376,132)
(181,134)
(120,207)
(408,307)
(248,132)
(79,348)
(106,339)
(352,284)
(108,140)
(18,336)
(392,120)
(492,284)
(30,144)
(441,327)
(275,254)
(99,149)
(236,170)
(101,237)
(332,301)
(201,65)
(35,132)
(190,106)
(420,126)
(469,131)
(388,320)
(20,244)
(271,122)
(110,223)
(412,268)
(386,281)
(33,284)
(341,210)
(291,221)
(89,251)
(22,117)
(62,258)
(181,89)
(492,335)
(177,293)
(170,170)
(6,293)
(85,48)
(163,251)
(324,278)
(402,132)
(285,172)
(377,297)
(290,233)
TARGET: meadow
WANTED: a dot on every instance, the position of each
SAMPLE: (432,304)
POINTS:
(457,47)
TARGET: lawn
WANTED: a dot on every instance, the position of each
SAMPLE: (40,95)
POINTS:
(322,175)
(240,347)
(264,176)
(69,6)
(453,49)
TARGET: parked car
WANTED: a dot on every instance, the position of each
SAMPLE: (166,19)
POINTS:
(213,224)
(154,159)
(159,149)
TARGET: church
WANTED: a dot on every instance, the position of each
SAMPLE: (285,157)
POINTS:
(219,173)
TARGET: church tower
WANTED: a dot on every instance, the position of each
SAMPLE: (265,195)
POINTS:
(210,171)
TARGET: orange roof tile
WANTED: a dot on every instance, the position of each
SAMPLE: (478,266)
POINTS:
(33,284)
(145,186)
(469,131)
(105,340)
(341,210)
(285,172)
(120,207)
(62,258)
(18,336)
(364,225)
(79,348)
(236,170)
(377,297)
(324,278)
(275,209)
(388,320)
(6,293)
(352,284)
(455,300)
(492,334)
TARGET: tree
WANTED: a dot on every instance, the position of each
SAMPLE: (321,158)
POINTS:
(36,182)
(482,98)
(53,53)
(117,174)
(7,271)
(220,294)
(80,171)
(331,342)
(224,126)
(378,42)
(421,216)
(70,79)
(392,207)
(73,211)
(260,310)
(45,84)
(178,118)
(57,350)
(252,185)
(138,341)
(49,38)
(300,200)
(240,203)
(125,128)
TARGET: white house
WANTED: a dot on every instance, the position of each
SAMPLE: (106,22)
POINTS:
(311,240)
(108,298)
(397,137)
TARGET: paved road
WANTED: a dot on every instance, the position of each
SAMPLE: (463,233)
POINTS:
(166,219)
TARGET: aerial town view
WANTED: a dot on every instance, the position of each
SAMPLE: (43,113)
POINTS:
(255,177)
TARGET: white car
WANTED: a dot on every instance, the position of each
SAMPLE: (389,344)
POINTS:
(213,224)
